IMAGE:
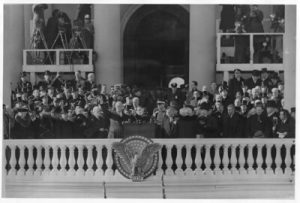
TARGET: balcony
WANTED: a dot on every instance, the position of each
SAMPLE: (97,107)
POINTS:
(249,51)
(188,168)
(57,60)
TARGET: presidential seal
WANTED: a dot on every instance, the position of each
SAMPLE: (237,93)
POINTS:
(136,157)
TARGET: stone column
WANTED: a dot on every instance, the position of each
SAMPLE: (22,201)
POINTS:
(13,44)
(202,44)
(108,67)
(289,57)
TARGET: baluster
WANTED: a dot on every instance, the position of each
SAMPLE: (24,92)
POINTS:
(250,159)
(259,159)
(80,161)
(233,160)
(89,160)
(269,160)
(226,170)
(278,160)
(109,162)
(198,160)
(38,161)
(288,160)
(217,160)
(188,160)
(63,161)
(169,160)
(54,161)
(207,160)
(22,161)
(30,161)
(159,171)
(242,159)
(99,161)
(12,160)
(179,160)
(71,161)
(47,162)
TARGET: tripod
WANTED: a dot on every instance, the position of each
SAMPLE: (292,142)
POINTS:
(36,40)
(77,41)
(63,38)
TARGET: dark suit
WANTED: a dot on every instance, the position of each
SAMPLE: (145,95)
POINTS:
(251,84)
(97,127)
(169,129)
(235,86)
(187,127)
(207,126)
(232,126)
(256,123)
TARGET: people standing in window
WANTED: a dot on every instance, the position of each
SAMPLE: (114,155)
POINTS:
(255,20)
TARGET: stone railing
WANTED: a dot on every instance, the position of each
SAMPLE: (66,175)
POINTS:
(180,160)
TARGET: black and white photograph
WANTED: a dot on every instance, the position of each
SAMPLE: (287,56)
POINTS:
(149,100)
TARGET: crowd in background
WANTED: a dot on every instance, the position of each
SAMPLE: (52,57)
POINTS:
(80,108)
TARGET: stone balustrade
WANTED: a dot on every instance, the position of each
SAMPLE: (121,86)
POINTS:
(189,161)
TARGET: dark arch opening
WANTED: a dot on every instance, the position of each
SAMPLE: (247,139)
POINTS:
(156,45)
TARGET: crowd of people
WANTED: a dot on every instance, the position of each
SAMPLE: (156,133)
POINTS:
(249,19)
(80,108)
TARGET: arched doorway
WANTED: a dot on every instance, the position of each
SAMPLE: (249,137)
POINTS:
(156,45)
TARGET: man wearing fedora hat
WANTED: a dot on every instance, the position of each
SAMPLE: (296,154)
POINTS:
(272,118)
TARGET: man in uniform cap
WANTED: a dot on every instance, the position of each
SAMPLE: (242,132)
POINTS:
(175,94)
(254,80)
(157,117)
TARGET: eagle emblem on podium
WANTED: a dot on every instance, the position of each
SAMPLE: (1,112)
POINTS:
(136,157)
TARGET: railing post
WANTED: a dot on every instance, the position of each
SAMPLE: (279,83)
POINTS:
(188,160)
(225,160)
(80,161)
(57,57)
(251,48)
(159,171)
(21,171)
(288,160)
(250,159)
(89,161)
(24,57)
(269,160)
(278,160)
(109,162)
(207,160)
(217,160)
(12,160)
(71,161)
(169,161)
(242,159)
(38,161)
(63,160)
(90,57)
(47,162)
(179,159)
(259,159)
(99,161)
(54,161)
(30,161)
(198,160)
(233,160)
